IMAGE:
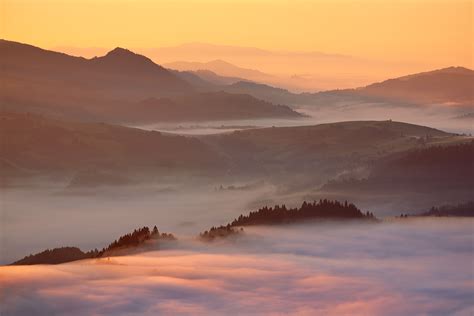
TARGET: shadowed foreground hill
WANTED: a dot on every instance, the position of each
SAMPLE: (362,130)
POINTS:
(35,145)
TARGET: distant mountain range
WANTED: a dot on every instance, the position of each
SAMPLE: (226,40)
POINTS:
(108,88)
(294,70)
(221,68)
(451,86)
(118,87)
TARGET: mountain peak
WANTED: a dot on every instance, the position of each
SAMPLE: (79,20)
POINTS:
(121,52)
(125,57)
(456,69)
(220,61)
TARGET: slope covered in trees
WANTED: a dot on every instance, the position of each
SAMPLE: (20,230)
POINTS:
(220,232)
(323,209)
(139,237)
(458,210)
(435,168)
(461,210)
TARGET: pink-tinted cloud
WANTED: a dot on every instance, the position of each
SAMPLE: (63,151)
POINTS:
(386,269)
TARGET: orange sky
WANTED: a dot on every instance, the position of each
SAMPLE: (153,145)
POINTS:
(417,29)
(436,33)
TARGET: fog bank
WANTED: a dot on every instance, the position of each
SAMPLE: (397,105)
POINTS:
(404,267)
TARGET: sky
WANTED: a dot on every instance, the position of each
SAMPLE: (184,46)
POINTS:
(416,34)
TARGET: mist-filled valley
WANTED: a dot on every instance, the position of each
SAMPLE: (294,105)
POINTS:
(130,187)
(404,266)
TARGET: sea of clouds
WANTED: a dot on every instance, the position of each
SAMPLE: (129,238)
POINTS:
(398,267)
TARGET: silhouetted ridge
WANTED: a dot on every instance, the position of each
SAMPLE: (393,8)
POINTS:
(135,239)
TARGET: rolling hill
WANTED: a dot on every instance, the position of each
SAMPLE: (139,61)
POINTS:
(320,152)
(38,146)
(91,154)
(208,106)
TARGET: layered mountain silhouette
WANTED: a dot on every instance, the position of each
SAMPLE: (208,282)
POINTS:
(112,87)
(106,88)
(222,68)
(449,86)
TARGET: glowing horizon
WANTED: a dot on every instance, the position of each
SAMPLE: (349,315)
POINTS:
(435,33)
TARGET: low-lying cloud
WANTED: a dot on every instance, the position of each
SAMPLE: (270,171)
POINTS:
(405,267)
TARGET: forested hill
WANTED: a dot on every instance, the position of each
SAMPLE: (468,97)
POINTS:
(139,237)
(458,210)
(324,209)
(277,215)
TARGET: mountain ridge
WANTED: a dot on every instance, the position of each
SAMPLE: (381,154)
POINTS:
(107,88)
